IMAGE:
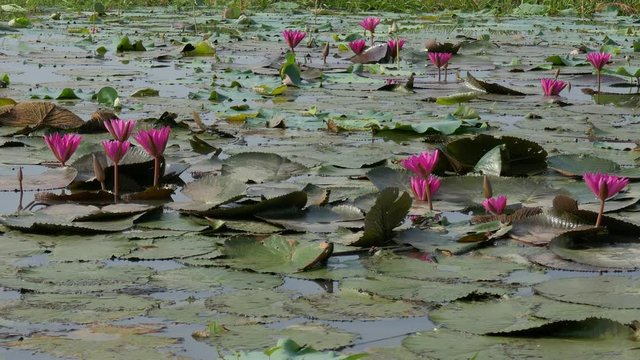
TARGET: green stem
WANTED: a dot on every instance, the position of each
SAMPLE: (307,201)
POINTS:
(599,220)
(115,182)
(427,191)
(156,172)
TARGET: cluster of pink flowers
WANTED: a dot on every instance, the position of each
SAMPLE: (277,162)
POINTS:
(154,141)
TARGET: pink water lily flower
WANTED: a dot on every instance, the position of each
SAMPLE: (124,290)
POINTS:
(440,60)
(552,87)
(154,141)
(419,187)
(369,24)
(422,164)
(120,129)
(395,46)
(598,60)
(358,46)
(495,205)
(293,37)
(604,186)
(62,146)
(115,150)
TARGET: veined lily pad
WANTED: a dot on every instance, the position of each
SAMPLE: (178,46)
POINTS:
(275,254)
(38,114)
(388,212)
(172,248)
(598,250)
(50,179)
(290,350)
(615,292)
(100,342)
(207,279)
(576,165)
(211,191)
(260,167)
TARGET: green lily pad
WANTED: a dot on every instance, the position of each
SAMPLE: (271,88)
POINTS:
(201,48)
(79,309)
(598,250)
(276,254)
(287,349)
(263,303)
(558,60)
(67,94)
(76,278)
(457,98)
(259,167)
(126,45)
(211,191)
(172,248)
(615,292)
(100,342)
(575,165)
(388,212)
(107,96)
(146,92)
(50,179)
(207,279)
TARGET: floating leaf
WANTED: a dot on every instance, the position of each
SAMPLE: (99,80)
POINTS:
(146,92)
(259,167)
(558,60)
(598,250)
(575,165)
(388,212)
(372,55)
(201,48)
(457,98)
(614,292)
(489,88)
(38,114)
(126,45)
(275,254)
(67,94)
(107,96)
(50,179)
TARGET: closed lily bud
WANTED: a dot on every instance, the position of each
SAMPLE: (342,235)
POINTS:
(325,52)
(98,169)
(487,191)
(394,28)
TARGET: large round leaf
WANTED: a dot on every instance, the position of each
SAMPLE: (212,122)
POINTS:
(258,167)
(617,292)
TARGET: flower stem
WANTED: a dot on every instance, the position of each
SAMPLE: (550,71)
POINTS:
(427,191)
(115,182)
(439,73)
(598,80)
(445,72)
(600,213)
(372,38)
(156,172)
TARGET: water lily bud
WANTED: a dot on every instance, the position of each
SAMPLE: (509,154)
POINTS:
(117,104)
(325,52)
(98,169)
(487,191)
(394,28)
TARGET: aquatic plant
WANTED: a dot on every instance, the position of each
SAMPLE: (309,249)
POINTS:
(394,47)
(120,129)
(154,141)
(495,205)
(369,24)
(62,146)
(598,60)
(419,186)
(115,150)
(552,87)
(358,46)
(604,186)
(440,60)
(293,38)
(422,165)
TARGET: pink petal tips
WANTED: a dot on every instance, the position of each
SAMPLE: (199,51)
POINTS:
(62,146)
(495,205)
(439,59)
(604,186)
(422,164)
(370,23)
(293,37)
(154,141)
(598,59)
(115,149)
(419,186)
(394,46)
(120,129)
(358,46)
(552,87)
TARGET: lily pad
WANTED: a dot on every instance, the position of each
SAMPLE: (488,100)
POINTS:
(208,279)
(614,292)
(276,254)
(259,167)
(50,179)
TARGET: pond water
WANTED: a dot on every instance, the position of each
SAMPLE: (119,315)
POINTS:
(290,214)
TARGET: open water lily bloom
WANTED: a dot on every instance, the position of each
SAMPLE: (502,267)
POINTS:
(395,46)
(154,141)
(495,205)
(419,187)
(422,164)
(370,23)
(552,87)
(62,146)
(598,59)
(605,186)
(120,129)
(358,46)
(440,60)
(293,37)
